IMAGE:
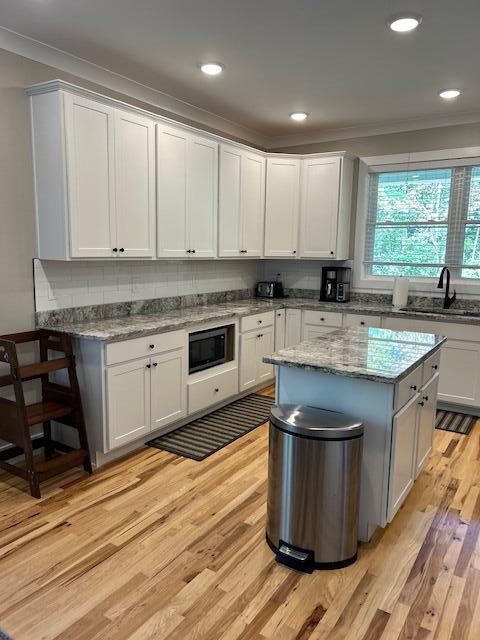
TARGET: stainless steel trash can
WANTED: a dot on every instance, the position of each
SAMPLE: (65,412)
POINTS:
(313,487)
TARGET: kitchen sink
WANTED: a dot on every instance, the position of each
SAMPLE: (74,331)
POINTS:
(446,312)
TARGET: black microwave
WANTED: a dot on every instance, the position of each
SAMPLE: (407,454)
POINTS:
(207,349)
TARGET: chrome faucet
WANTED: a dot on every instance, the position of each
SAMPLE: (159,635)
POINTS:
(448,300)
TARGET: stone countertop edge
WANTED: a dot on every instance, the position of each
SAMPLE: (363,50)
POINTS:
(284,361)
(138,325)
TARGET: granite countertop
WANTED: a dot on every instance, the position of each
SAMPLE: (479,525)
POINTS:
(142,324)
(380,355)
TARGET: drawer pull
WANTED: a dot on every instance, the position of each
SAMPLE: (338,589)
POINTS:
(425,398)
(435,366)
(322,319)
(421,404)
(217,390)
(260,321)
(148,366)
(413,387)
(151,346)
(155,364)
(259,335)
(362,323)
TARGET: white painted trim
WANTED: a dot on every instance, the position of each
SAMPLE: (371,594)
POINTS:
(372,129)
(53,57)
(422,156)
(384,284)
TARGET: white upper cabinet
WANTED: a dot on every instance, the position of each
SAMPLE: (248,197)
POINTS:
(90,175)
(202,197)
(135,184)
(325,209)
(282,207)
(94,179)
(187,188)
(241,202)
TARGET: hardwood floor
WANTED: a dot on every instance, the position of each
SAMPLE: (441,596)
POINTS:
(157,546)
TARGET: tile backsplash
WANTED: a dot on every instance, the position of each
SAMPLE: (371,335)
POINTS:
(60,285)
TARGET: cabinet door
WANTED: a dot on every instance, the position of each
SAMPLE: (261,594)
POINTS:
(168,388)
(264,348)
(460,373)
(402,456)
(281,207)
(202,196)
(248,360)
(135,184)
(293,327)
(89,128)
(172,153)
(279,329)
(128,401)
(253,203)
(319,207)
(230,241)
(426,422)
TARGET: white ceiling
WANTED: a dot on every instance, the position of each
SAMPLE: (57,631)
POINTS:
(335,59)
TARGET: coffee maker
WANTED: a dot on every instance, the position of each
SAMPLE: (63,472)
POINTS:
(335,284)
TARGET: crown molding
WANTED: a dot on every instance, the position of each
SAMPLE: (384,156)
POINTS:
(68,63)
(345,133)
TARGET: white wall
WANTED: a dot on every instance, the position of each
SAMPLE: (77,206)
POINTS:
(59,285)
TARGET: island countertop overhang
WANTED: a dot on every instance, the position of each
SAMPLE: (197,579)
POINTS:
(369,353)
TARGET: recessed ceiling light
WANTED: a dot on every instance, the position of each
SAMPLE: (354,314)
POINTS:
(449,94)
(212,68)
(404,23)
(298,115)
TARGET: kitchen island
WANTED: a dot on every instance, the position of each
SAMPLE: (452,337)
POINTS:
(388,380)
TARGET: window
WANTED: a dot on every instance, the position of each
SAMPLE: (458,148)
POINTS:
(420,219)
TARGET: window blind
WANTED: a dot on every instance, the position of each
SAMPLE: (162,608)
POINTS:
(422,218)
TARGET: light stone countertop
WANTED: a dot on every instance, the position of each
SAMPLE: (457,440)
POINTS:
(380,355)
(137,325)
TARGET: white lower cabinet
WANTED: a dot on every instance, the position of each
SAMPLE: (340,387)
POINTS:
(211,389)
(402,473)
(293,327)
(279,329)
(168,388)
(357,320)
(128,406)
(427,410)
(412,435)
(254,345)
(145,395)
(318,323)
(460,358)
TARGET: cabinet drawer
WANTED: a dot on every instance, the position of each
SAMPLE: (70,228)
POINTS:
(323,317)
(408,387)
(256,321)
(207,392)
(431,366)
(357,320)
(139,347)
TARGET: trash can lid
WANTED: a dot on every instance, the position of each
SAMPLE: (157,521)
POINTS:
(315,423)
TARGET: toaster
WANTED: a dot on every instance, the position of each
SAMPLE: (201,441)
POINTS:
(269,289)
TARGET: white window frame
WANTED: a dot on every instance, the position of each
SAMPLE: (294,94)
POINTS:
(362,280)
